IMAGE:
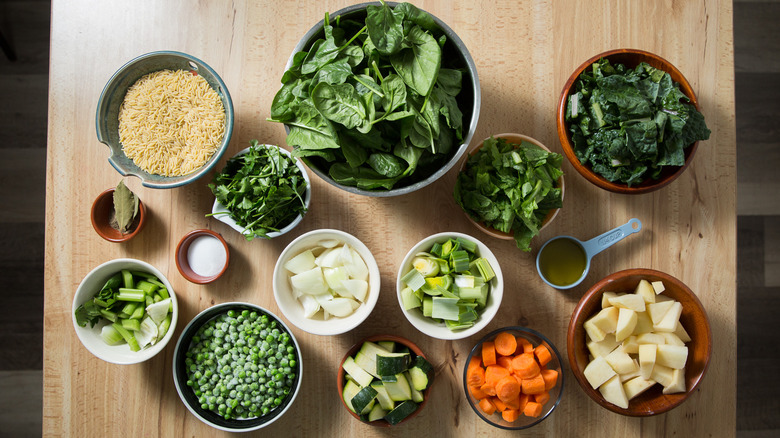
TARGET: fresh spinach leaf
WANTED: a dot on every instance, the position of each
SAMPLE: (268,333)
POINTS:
(385,27)
(419,64)
(339,103)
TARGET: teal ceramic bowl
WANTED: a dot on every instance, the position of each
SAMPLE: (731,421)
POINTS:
(107,120)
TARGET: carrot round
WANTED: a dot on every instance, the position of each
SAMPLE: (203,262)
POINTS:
(507,388)
(488,389)
(524,345)
(542,398)
(500,405)
(505,344)
(550,379)
(525,365)
(542,355)
(494,373)
(488,353)
(486,406)
(510,415)
(532,409)
(477,392)
(534,385)
(522,400)
(514,403)
(475,376)
(505,361)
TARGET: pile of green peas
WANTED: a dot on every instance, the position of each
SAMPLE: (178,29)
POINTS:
(241,364)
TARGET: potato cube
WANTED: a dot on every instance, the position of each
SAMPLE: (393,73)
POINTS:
(647,359)
(636,386)
(658,310)
(628,376)
(670,320)
(594,333)
(620,361)
(626,323)
(604,347)
(630,345)
(672,339)
(678,383)
(672,356)
(663,375)
(650,338)
(629,301)
(614,393)
(605,299)
(643,324)
(658,286)
(661,298)
(681,333)
(598,371)
(606,319)
(645,290)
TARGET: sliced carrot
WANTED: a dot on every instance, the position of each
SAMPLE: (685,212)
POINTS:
(507,388)
(542,355)
(510,415)
(542,398)
(475,361)
(505,344)
(488,389)
(550,379)
(534,385)
(486,406)
(523,400)
(500,405)
(477,392)
(514,403)
(475,376)
(494,373)
(525,366)
(505,361)
(488,353)
(532,409)
(524,345)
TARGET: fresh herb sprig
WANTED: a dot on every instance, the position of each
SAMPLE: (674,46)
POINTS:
(263,190)
(510,187)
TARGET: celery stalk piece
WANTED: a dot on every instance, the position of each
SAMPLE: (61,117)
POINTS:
(163,327)
(485,270)
(163,291)
(131,324)
(111,336)
(128,310)
(145,275)
(127,336)
(127,279)
(127,294)
(139,313)
(414,279)
(109,315)
(147,287)
(445,308)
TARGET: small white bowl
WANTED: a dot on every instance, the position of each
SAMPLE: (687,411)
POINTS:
(221,213)
(90,336)
(439,330)
(293,310)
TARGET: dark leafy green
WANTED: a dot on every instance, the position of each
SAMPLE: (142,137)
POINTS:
(370,102)
(510,187)
(89,312)
(628,124)
(263,190)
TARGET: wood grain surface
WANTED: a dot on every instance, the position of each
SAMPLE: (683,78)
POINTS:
(524,51)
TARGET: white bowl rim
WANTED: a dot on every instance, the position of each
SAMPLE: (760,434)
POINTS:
(90,336)
(219,210)
(334,326)
(439,331)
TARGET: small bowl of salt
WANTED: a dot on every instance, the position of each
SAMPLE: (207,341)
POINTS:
(202,256)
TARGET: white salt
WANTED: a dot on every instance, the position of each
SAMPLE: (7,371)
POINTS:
(206,256)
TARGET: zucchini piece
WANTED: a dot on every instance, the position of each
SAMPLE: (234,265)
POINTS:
(417,396)
(418,378)
(366,357)
(359,374)
(398,390)
(390,378)
(350,390)
(424,365)
(363,401)
(390,364)
(377,413)
(400,412)
(387,345)
(382,397)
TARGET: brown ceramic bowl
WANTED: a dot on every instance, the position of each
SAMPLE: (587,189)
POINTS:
(517,139)
(693,319)
(101,213)
(631,58)
(183,263)
(341,379)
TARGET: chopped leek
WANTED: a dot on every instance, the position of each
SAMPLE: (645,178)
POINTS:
(459,260)
(468,245)
(427,266)
(414,279)
(409,299)
(445,308)
(484,268)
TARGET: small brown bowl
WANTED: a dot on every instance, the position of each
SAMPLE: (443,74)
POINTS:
(630,58)
(693,319)
(101,217)
(341,377)
(183,263)
(516,139)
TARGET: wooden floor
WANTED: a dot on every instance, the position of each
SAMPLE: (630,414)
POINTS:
(23,106)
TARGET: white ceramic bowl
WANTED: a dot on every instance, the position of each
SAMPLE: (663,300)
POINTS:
(90,336)
(439,330)
(293,310)
(221,213)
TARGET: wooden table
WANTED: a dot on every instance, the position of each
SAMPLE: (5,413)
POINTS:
(524,52)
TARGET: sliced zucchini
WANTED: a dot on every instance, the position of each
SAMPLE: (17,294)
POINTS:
(359,374)
(417,395)
(401,411)
(390,378)
(418,378)
(421,363)
(400,389)
(366,357)
(363,401)
(390,364)
(377,413)
(382,397)
(350,391)
(387,345)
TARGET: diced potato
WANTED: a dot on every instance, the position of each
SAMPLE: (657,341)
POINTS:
(672,356)
(658,310)
(594,333)
(670,320)
(604,347)
(681,333)
(661,298)
(636,386)
(614,393)
(647,359)
(678,383)
(672,339)
(629,301)
(643,324)
(598,371)
(626,323)
(620,361)
(663,375)
(630,345)
(650,338)
(606,319)
(605,299)
(658,286)
(628,376)
(645,290)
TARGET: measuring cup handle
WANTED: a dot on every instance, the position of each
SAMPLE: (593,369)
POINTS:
(611,237)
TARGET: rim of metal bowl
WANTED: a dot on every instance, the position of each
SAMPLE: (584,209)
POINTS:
(476,105)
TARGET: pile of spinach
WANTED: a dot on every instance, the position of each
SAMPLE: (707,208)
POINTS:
(510,187)
(370,101)
(263,190)
(630,123)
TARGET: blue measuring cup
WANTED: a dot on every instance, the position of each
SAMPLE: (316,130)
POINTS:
(576,249)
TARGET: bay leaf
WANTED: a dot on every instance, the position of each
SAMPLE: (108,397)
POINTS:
(125,207)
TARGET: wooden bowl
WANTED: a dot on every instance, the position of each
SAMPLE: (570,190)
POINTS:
(630,58)
(516,139)
(341,379)
(693,319)
(101,213)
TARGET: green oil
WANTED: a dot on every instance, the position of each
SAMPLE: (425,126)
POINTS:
(562,262)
